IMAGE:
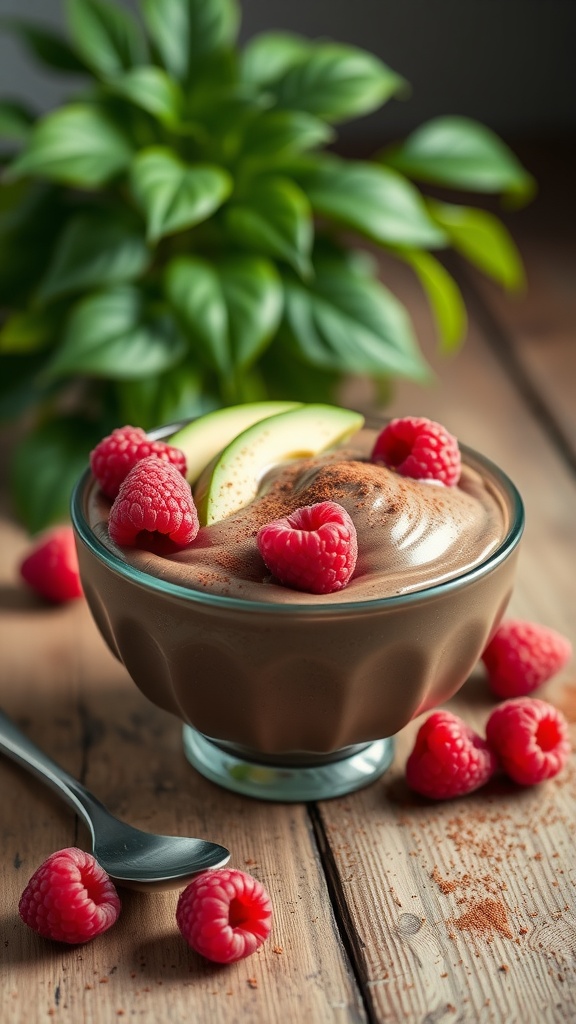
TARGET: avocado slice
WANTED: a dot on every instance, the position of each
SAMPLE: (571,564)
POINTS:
(233,478)
(202,439)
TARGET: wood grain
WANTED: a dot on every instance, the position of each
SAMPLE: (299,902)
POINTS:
(387,908)
(536,327)
(502,853)
(77,702)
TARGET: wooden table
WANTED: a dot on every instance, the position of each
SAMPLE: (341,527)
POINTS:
(387,908)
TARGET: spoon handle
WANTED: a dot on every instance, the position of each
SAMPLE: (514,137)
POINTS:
(19,748)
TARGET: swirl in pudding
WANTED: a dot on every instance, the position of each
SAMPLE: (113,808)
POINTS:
(412,534)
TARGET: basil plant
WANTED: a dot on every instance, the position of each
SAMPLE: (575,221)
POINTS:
(182,234)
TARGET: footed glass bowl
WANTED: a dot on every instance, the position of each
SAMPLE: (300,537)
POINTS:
(289,702)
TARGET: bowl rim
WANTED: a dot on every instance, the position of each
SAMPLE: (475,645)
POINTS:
(320,608)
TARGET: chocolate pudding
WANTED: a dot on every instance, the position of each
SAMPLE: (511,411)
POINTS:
(262,674)
(412,534)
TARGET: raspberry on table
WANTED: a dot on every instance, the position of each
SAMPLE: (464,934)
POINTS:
(522,656)
(420,448)
(313,549)
(115,455)
(156,498)
(69,898)
(448,758)
(530,738)
(51,566)
(224,914)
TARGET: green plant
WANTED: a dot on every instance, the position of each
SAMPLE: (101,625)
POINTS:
(178,237)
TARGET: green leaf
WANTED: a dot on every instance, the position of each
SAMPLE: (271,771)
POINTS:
(457,151)
(483,240)
(185,30)
(29,330)
(224,111)
(46,46)
(46,467)
(113,334)
(194,292)
(337,82)
(444,296)
(176,195)
(152,90)
(277,134)
(231,309)
(106,36)
(76,145)
(252,291)
(274,218)
(212,74)
(378,202)
(269,55)
(168,397)
(16,121)
(347,323)
(94,249)
(219,123)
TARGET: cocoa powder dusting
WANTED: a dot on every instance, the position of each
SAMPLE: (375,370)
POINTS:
(409,535)
(486,916)
(493,840)
(332,483)
(443,884)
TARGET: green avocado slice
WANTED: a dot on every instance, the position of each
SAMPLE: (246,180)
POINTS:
(231,481)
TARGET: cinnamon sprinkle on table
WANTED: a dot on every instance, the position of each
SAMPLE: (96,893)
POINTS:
(486,916)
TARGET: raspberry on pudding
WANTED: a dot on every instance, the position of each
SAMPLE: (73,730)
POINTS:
(113,458)
(153,498)
(313,549)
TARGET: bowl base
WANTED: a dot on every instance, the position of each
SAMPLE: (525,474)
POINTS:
(294,780)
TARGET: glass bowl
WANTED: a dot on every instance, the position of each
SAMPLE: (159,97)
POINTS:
(296,702)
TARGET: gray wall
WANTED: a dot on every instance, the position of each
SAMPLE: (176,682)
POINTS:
(509,63)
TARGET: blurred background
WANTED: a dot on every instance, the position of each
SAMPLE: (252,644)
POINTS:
(505,64)
(509,64)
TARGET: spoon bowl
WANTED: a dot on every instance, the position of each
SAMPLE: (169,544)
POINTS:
(133,858)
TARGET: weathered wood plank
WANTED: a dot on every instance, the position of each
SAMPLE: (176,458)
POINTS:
(460,912)
(78,703)
(466,911)
(537,328)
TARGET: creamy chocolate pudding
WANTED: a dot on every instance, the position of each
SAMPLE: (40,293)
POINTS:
(412,534)
(287,695)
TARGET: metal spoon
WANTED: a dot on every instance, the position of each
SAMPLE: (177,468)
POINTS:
(139,860)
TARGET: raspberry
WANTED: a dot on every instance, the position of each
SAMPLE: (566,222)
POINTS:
(522,656)
(313,549)
(69,898)
(530,738)
(419,448)
(448,759)
(113,457)
(51,566)
(224,914)
(153,497)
